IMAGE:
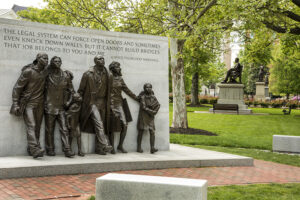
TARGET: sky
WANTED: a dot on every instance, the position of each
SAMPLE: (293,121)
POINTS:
(7,4)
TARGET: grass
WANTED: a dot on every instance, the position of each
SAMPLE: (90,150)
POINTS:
(287,159)
(246,135)
(255,192)
(239,131)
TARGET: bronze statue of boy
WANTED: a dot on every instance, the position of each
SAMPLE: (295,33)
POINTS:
(72,121)
(149,107)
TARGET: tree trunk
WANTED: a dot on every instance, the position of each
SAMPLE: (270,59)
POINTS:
(195,89)
(177,70)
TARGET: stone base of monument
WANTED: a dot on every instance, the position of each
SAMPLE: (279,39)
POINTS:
(262,91)
(178,157)
(232,94)
(127,186)
(286,143)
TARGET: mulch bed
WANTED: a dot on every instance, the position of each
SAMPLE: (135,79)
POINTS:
(191,131)
(198,106)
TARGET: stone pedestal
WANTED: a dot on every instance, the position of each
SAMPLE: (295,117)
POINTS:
(232,94)
(260,94)
(267,91)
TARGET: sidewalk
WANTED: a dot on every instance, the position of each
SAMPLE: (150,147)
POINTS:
(81,186)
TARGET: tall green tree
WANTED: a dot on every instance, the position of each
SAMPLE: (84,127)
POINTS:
(257,52)
(285,71)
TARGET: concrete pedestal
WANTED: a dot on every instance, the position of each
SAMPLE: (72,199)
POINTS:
(260,94)
(267,91)
(286,143)
(232,94)
(139,187)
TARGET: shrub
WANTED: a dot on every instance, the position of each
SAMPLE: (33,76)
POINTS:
(170,98)
(203,101)
(264,104)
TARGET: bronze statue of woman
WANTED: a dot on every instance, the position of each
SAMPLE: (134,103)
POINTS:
(118,117)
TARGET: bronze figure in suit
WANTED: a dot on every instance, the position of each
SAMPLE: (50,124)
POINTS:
(94,89)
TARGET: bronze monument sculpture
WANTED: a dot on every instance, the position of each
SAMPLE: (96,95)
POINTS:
(28,100)
(72,120)
(98,107)
(149,107)
(267,79)
(234,73)
(58,87)
(95,91)
(118,117)
(261,74)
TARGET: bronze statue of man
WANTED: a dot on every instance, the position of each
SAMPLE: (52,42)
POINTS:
(58,88)
(234,73)
(28,100)
(95,89)
(118,117)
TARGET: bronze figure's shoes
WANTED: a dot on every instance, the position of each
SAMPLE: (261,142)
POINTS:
(51,153)
(121,149)
(38,153)
(107,148)
(113,151)
(100,152)
(140,150)
(81,154)
(69,154)
(153,150)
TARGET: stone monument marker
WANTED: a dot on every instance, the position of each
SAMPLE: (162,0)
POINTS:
(262,85)
(143,58)
(232,91)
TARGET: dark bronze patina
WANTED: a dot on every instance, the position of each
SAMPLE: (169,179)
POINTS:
(267,79)
(234,73)
(28,100)
(149,107)
(72,118)
(95,89)
(261,74)
(58,87)
(118,114)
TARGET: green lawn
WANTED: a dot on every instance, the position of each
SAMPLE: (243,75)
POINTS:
(255,192)
(246,135)
(239,131)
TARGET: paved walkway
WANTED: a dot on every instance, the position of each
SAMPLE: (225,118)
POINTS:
(80,187)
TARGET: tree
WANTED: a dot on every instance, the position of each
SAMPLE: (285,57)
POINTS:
(256,52)
(285,71)
(202,62)
(281,16)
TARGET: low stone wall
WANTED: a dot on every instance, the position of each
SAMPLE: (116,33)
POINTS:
(139,187)
(285,143)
